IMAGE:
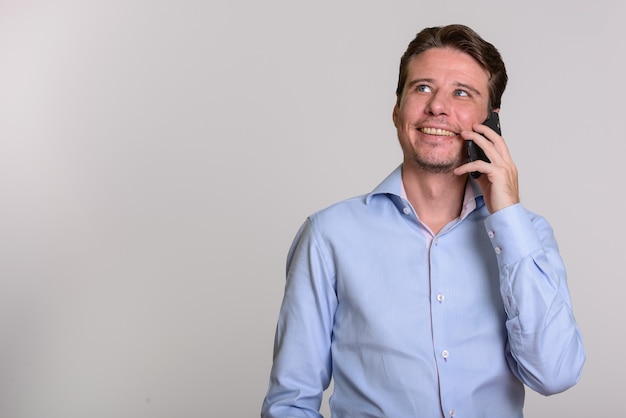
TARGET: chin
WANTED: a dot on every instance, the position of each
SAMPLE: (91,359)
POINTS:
(436,165)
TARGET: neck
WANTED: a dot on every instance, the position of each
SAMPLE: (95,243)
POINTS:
(436,197)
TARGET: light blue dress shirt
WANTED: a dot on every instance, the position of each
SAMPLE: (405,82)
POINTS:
(414,325)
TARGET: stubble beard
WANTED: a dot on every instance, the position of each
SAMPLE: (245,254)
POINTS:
(431,165)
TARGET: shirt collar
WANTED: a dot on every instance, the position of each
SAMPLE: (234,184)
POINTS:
(393,187)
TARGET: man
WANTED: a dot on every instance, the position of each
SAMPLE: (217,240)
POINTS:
(436,295)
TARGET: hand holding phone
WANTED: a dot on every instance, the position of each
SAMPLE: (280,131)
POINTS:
(474,152)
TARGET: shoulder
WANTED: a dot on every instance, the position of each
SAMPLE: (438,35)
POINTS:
(339,214)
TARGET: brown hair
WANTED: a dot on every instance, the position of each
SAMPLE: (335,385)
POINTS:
(464,39)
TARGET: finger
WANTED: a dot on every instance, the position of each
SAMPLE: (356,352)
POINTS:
(485,144)
(485,130)
(478,165)
(493,137)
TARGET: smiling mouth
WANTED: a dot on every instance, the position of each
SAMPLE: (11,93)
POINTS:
(436,131)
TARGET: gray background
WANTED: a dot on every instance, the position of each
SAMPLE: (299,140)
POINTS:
(157,157)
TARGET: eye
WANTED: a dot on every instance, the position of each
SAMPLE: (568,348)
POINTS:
(423,88)
(461,93)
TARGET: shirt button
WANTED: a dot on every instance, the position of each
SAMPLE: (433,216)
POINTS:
(491,234)
(440,297)
(406,210)
(452,412)
(445,354)
(498,250)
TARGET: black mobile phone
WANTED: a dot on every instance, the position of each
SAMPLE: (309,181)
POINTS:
(474,152)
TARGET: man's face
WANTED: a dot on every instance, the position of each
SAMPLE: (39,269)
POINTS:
(446,91)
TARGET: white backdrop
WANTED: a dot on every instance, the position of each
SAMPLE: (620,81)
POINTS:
(157,158)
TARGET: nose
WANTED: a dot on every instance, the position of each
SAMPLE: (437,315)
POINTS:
(437,105)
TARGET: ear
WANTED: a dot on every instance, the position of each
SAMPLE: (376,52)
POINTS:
(394,115)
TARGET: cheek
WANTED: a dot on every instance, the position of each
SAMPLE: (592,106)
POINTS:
(404,116)
(469,118)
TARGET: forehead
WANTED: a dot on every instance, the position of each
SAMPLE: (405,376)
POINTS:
(448,66)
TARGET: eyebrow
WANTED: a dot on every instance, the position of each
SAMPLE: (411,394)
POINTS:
(455,84)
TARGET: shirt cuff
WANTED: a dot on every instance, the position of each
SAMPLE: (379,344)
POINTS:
(512,234)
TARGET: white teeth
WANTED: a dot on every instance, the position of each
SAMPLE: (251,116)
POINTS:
(440,132)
